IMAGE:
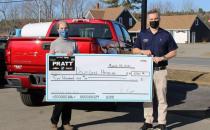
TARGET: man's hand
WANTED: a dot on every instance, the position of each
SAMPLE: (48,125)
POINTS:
(158,59)
(146,52)
(69,53)
(143,52)
(52,52)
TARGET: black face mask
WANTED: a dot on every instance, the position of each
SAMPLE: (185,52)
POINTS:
(154,24)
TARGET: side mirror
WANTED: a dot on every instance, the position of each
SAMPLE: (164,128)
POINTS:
(129,44)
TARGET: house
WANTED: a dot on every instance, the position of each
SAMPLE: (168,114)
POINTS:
(184,28)
(120,14)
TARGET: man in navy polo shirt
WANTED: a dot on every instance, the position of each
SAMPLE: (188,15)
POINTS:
(158,43)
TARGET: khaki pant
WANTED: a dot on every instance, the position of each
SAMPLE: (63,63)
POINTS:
(160,87)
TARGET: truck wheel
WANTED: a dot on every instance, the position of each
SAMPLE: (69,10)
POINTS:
(32,98)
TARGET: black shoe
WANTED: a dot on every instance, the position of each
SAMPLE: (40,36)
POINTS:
(161,127)
(146,126)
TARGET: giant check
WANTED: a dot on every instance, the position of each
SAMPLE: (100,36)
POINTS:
(99,78)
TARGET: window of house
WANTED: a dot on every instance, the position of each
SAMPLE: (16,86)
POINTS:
(197,22)
(120,20)
(130,22)
(180,31)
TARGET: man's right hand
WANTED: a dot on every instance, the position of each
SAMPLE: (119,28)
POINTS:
(69,53)
(142,52)
(52,52)
(146,52)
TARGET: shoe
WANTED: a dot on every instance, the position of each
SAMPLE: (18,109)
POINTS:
(68,127)
(146,126)
(53,127)
(161,127)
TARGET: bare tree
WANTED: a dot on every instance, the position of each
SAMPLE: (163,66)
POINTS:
(188,6)
(3,10)
(80,8)
(156,5)
(47,9)
(14,13)
(68,8)
(74,8)
(167,7)
(62,9)
(164,7)
(28,10)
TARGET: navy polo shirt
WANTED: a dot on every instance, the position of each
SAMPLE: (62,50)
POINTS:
(159,44)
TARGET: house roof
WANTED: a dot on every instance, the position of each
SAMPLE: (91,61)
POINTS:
(113,13)
(167,22)
(171,22)
(97,14)
(136,27)
(108,13)
(177,21)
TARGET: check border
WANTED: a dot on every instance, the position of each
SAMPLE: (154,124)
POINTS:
(88,100)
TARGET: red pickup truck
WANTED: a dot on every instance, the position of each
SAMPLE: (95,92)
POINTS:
(25,56)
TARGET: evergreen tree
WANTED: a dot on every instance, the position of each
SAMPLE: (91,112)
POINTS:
(111,3)
(129,4)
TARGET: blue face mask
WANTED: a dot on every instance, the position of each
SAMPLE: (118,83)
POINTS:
(63,33)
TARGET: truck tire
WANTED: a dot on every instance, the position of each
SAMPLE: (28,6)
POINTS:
(32,98)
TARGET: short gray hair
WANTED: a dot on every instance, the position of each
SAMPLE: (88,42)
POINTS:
(153,11)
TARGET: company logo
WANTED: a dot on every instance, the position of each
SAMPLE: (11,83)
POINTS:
(62,63)
(145,40)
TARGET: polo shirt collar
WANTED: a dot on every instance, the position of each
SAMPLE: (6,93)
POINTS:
(159,30)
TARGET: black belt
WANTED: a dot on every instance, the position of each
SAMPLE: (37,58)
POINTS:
(159,68)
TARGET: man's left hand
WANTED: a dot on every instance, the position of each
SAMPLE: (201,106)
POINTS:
(69,53)
(158,59)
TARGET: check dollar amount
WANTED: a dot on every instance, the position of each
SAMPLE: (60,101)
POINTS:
(99,78)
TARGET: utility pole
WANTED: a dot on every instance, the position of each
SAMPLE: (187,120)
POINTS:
(143,14)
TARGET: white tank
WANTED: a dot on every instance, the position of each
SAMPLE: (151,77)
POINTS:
(35,29)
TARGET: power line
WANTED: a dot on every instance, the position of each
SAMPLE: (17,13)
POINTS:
(15,1)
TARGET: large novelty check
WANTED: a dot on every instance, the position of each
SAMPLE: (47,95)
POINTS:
(99,78)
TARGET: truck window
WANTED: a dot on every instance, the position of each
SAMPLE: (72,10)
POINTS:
(119,32)
(87,30)
(101,31)
(54,31)
(126,35)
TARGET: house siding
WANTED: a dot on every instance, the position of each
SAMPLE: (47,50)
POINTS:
(180,36)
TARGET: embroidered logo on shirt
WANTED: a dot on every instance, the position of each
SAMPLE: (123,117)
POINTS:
(145,40)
